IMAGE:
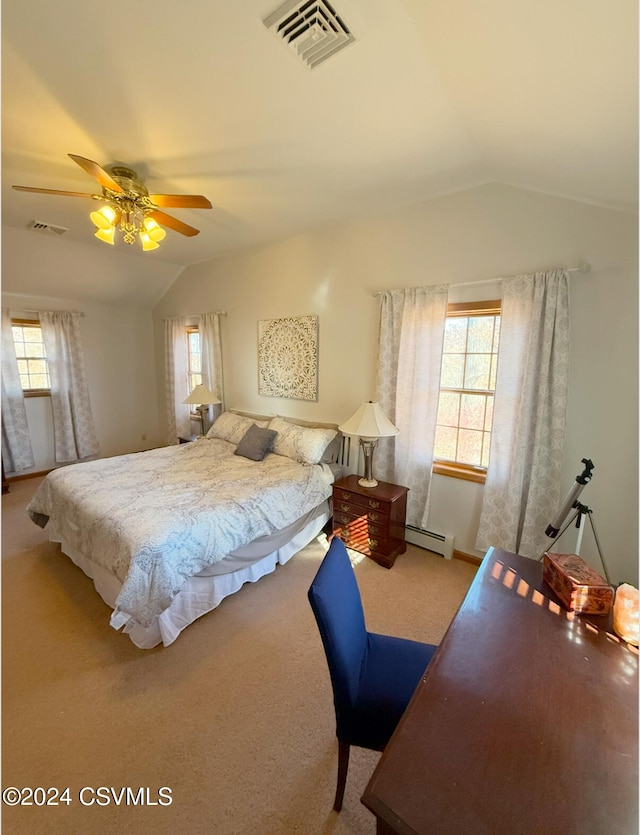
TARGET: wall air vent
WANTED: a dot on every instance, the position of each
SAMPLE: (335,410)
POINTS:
(49,228)
(312,29)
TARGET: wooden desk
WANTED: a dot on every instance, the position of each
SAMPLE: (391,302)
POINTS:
(526,721)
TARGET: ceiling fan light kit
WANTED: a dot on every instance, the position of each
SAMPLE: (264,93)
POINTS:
(129,207)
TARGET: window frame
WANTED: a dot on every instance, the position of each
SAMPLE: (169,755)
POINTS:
(454,469)
(190,329)
(32,323)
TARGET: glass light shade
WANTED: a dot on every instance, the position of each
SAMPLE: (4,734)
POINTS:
(154,230)
(106,235)
(104,218)
(369,422)
(201,395)
(146,242)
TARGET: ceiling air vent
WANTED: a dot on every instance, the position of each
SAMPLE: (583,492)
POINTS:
(311,28)
(49,228)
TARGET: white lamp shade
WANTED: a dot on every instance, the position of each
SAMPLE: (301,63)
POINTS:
(369,422)
(201,395)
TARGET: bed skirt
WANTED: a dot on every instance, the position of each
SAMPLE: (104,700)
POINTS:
(205,591)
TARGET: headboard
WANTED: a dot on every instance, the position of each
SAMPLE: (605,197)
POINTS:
(338,449)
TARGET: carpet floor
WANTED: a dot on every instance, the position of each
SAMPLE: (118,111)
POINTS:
(235,719)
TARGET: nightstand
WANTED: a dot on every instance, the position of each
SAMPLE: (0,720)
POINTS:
(371,520)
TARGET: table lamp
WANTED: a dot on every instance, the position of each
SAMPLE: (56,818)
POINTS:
(203,398)
(369,423)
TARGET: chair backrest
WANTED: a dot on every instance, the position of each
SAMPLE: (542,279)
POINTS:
(335,600)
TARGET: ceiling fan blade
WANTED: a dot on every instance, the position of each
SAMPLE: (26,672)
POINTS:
(181,201)
(175,224)
(53,191)
(94,170)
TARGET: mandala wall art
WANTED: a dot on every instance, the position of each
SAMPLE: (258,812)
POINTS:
(288,357)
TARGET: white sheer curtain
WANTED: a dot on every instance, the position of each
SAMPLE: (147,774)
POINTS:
(17,454)
(211,353)
(521,494)
(408,385)
(175,378)
(73,429)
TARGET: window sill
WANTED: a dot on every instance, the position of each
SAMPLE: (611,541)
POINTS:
(37,393)
(460,471)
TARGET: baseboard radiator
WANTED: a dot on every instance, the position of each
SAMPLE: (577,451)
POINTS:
(441,543)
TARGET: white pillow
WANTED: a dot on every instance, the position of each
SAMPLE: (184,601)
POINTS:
(230,427)
(302,443)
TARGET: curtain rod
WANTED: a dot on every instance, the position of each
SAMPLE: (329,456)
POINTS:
(583,268)
(193,315)
(37,312)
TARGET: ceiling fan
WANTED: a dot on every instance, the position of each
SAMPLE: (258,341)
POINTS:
(129,205)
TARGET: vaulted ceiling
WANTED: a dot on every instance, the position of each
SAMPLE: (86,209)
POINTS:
(199,97)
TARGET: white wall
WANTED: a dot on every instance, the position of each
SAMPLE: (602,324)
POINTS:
(118,349)
(38,263)
(485,232)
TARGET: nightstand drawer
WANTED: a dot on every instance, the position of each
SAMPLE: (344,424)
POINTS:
(380,515)
(364,541)
(358,540)
(349,519)
(369,502)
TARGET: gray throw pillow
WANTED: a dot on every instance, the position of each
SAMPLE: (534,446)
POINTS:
(256,442)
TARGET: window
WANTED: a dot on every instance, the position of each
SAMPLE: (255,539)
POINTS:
(31,356)
(467,385)
(194,358)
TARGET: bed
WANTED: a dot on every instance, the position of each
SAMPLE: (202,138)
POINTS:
(167,534)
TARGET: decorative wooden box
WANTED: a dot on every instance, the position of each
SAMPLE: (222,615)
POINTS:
(579,587)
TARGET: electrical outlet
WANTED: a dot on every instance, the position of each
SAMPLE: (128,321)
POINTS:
(143,437)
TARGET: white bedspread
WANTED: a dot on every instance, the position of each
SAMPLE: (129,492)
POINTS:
(156,518)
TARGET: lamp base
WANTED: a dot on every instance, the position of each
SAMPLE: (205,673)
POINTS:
(367,482)
(203,410)
(368,446)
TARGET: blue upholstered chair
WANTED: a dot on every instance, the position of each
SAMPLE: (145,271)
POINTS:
(373,676)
